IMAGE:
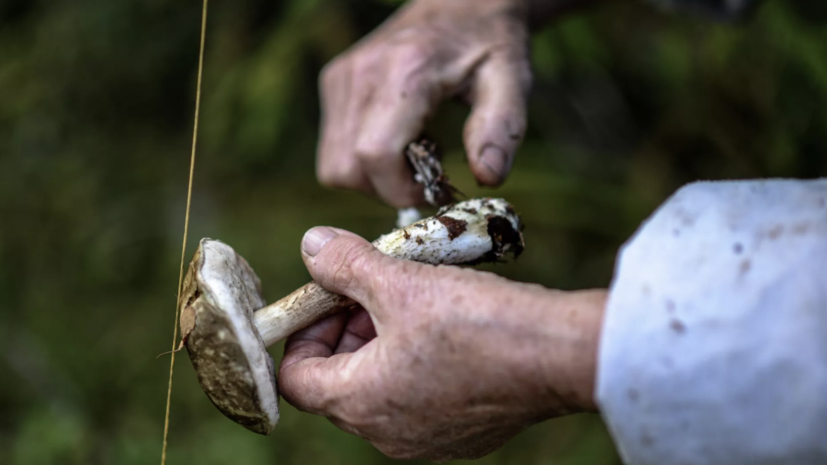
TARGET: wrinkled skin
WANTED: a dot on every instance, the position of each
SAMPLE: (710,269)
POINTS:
(377,96)
(438,362)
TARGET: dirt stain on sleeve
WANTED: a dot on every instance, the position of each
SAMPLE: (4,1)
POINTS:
(677,326)
(775,231)
(745,266)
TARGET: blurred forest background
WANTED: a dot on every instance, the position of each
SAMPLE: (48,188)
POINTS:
(96,100)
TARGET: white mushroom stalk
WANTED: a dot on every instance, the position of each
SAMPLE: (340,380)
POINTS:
(226,327)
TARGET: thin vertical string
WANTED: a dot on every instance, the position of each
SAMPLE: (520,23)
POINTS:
(186,225)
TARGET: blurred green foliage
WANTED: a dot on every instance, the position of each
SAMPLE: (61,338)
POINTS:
(96,105)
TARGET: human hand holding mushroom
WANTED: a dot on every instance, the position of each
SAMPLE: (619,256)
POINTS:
(226,327)
(438,362)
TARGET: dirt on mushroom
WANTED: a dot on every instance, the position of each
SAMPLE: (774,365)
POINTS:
(455,227)
(502,233)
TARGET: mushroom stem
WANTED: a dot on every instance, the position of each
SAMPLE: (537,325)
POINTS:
(304,306)
(469,232)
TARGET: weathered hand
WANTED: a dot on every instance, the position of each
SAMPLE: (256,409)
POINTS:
(377,96)
(441,362)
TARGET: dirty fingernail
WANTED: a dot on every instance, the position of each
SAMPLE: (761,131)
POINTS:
(495,160)
(316,238)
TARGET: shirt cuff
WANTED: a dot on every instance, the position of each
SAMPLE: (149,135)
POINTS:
(714,345)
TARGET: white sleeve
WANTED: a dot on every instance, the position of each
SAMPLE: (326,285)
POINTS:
(714,346)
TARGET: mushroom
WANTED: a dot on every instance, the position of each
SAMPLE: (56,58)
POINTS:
(227,328)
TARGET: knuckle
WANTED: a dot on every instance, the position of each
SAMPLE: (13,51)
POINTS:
(327,176)
(332,72)
(341,275)
(366,63)
(373,150)
(414,54)
(419,84)
(362,259)
(351,263)
(417,65)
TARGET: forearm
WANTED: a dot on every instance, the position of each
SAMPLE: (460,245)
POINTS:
(552,336)
(574,320)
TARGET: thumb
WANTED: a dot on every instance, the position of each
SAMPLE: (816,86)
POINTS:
(497,122)
(346,264)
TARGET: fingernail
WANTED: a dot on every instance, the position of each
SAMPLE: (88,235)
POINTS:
(495,160)
(316,238)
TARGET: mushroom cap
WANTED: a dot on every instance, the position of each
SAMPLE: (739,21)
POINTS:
(466,233)
(221,292)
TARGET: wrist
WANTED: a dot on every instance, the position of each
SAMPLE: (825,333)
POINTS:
(573,322)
